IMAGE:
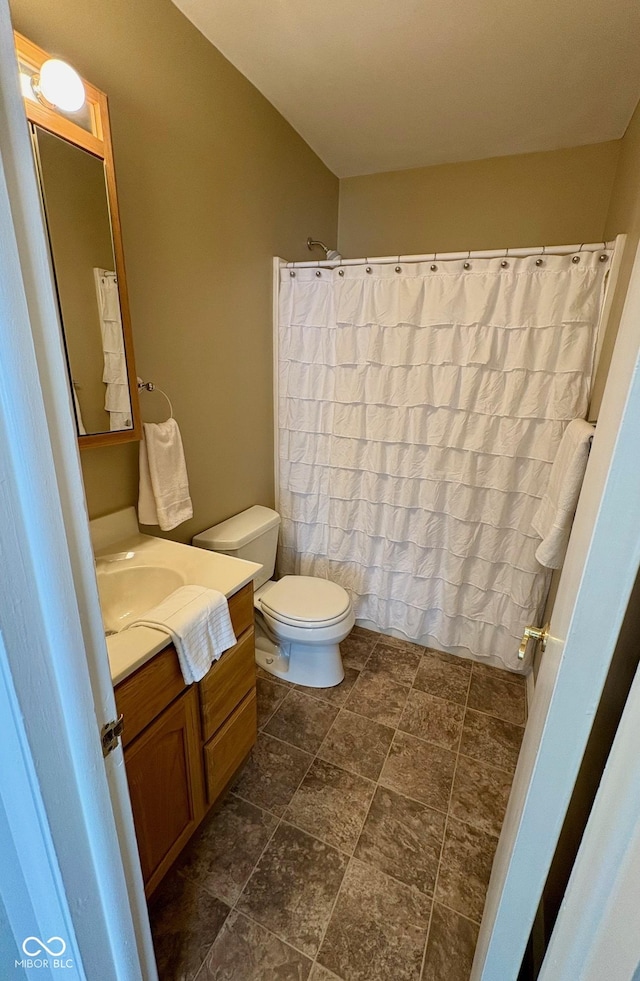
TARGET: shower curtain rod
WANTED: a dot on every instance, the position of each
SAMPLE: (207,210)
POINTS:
(449,256)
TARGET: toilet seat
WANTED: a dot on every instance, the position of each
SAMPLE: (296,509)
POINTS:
(306,601)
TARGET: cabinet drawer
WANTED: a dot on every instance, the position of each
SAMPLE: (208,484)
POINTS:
(227,750)
(226,684)
(241,609)
(144,694)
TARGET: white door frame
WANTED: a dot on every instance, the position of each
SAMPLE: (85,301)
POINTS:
(598,575)
(53,658)
(596,934)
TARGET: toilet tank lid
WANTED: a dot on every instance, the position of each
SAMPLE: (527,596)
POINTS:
(239,530)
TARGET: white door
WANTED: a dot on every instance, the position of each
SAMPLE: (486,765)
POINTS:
(60,801)
(596,934)
(599,571)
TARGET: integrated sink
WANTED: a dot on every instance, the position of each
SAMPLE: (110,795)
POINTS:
(136,572)
(128,590)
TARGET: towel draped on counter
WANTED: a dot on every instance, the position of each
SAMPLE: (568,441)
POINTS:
(197,620)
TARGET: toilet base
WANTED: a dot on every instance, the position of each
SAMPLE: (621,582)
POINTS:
(314,666)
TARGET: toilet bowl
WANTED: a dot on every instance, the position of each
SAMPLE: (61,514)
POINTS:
(299,620)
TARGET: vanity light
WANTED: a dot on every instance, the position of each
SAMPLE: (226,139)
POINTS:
(59,85)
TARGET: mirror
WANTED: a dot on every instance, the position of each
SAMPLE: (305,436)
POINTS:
(74,162)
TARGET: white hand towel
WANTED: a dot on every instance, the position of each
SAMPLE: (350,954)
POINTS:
(554,517)
(164,486)
(198,622)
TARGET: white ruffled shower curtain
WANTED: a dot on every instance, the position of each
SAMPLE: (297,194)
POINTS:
(419,414)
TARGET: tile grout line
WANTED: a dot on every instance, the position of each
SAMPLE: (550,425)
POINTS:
(498,718)
(267,929)
(444,834)
(317,757)
(280,821)
(492,766)
(233,906)
(351,856)
(278,706)
(339,890)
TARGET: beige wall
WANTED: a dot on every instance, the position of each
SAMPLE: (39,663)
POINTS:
(212,183)
(623,216)
(553,198)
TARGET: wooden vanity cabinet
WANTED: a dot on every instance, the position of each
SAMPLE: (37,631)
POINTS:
(183,744)
(166,786)
(229,735)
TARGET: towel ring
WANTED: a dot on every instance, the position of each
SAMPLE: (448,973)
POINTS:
(150,387)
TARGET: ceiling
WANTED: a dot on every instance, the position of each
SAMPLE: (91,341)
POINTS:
(377,85)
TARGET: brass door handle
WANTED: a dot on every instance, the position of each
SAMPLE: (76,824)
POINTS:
(533,633)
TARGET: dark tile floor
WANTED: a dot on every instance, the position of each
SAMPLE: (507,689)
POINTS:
(357,842)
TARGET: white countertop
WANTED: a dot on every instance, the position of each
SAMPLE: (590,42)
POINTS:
(130,649)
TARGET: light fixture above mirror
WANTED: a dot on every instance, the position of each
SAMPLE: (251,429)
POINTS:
(58,86)
(70,135)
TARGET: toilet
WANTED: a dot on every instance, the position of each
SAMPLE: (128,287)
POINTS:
(299,620)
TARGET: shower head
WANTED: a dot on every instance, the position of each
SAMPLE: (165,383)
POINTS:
(331,254)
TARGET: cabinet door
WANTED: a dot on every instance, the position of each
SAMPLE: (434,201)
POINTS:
(164,770)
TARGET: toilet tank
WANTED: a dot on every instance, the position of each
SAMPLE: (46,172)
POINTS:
(251,535)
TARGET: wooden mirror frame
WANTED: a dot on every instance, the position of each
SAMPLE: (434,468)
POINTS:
(98,143)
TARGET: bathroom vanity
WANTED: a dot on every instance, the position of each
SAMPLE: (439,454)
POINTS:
(183,744)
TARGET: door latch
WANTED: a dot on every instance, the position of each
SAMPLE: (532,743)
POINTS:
(533,633)
(110,734)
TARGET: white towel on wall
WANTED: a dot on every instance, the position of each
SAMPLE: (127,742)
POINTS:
(554,516)
(198,622)
(164,486)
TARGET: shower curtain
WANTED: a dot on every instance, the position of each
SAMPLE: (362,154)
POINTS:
(420,407)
